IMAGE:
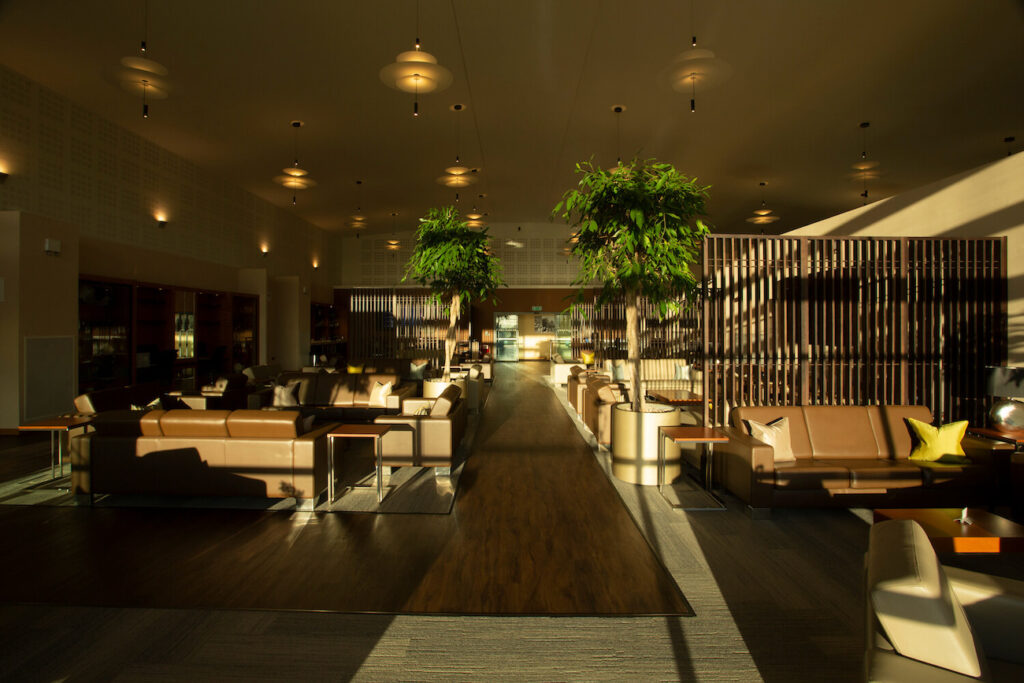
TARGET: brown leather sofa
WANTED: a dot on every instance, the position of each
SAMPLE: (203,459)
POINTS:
(427,433)
(118,398)
(599,395)
(847,456)
(253,453)
(577,385)
(340,396)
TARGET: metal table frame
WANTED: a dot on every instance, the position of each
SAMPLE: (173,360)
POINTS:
(370,431)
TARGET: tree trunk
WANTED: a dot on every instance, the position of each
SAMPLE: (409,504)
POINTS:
(633,349)
(449,340)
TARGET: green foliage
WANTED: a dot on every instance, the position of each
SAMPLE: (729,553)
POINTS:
(451,259)
(633,230)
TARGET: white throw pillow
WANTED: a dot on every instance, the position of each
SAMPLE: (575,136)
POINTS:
(284,397)
(379,395)
(619,371)
(557,357)
(683,372)
(776,435)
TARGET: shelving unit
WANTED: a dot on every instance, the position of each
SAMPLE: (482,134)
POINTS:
(325,338)
(174,337)
(104,335)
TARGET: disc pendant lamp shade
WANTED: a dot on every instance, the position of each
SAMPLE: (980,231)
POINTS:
(141,76)
(295,177)
(695,71)
(416,71)
(762,215)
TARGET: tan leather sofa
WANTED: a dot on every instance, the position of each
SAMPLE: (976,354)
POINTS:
(253,453)
(847,456)
(933,624)
(340,396)
(561,370)
(577,385)
(261,374)
(427,433)
(119,398)
(658,373)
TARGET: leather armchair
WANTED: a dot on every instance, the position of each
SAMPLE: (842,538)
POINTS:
(598,398)
(427,433)
(927,622)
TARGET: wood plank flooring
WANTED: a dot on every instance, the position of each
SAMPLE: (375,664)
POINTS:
(536,529)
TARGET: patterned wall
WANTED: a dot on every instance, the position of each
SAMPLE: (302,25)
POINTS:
(70,164)
(540,261)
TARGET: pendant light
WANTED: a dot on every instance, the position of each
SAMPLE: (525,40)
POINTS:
(617,110)
(393,244)
(295,177)
(696,66)
(762,215)
(358,219)
(141,75)
(416,71)
(459,175)
(864,125)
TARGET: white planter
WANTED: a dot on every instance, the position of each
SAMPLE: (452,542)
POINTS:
(635,443)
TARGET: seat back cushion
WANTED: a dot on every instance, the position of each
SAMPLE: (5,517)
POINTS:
(798,439)
(118,423)
(149,423)
(267,424)
(840,432)
(444,403)
(891,430)
(194,422)
(913,601)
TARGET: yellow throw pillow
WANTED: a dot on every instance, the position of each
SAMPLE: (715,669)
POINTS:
(355,369)
(938,444)
(587,357)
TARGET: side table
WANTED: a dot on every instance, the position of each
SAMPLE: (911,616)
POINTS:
(708,436)
(371,431)
(58,428)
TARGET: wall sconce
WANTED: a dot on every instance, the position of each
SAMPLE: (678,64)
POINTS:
(161,223)
(316,265)
(51,247)
(264,250)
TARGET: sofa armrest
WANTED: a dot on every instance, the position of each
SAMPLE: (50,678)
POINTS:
(415,403)
(982,451)
(747,467)
(399,394)
(995,609)
(309,461)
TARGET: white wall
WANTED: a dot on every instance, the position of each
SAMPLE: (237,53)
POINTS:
(983,202)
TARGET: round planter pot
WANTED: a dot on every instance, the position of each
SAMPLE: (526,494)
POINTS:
(635,443)
(432,388)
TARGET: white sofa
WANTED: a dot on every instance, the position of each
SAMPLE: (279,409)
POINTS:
(931,623)
(658,373)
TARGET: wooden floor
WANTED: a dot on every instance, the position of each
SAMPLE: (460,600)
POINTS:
(779,600)
(532,507)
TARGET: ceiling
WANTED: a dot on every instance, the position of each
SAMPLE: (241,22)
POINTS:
(941,82)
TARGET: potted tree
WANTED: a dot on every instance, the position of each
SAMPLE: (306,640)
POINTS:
(636,232)
(457,264)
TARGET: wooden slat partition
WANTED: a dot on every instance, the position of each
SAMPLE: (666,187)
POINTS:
(852,321)
(393,323)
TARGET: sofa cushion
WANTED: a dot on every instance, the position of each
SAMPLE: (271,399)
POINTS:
(887,474)
(682,371)
(891,431)
(445,401)
(149,423)
(418,368)
(798,438)
(195,422)
(776,435)
(269,424)
(913,601)
(840,432)
(808,474)
(940,443)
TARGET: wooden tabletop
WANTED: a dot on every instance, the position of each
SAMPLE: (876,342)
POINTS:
(56,423)
(683,434)
(373,430)
(1014,436)
(676,397)
(988,533)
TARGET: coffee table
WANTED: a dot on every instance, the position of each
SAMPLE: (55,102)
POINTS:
(708,436)
(676,397)
(371,431)
(58,428)
(989,533)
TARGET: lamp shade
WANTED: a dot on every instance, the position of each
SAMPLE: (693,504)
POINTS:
(416,71)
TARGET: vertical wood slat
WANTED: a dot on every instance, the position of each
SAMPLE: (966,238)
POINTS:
(840,321)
